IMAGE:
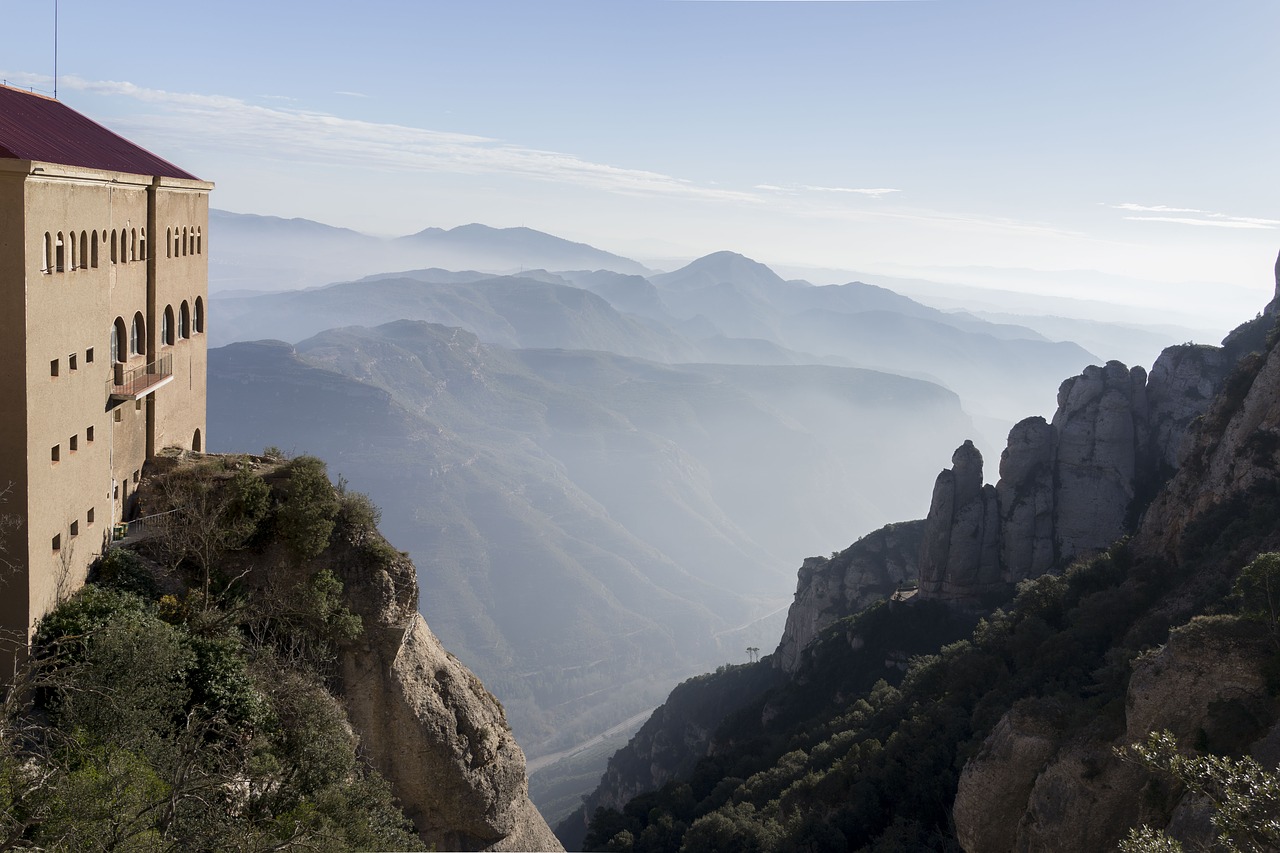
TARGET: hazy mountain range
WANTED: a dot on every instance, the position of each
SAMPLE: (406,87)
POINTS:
(605,474)
(588,525)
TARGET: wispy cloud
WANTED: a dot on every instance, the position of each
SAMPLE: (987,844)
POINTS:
(184,120)
(277,132)
(351,94)
(1197,217)
(798,188)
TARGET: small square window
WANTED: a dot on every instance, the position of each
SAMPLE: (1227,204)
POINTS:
(57,542)
(88,356)
(88,434)
(55,453)
(71,361)
(74,443)
(88,516)
(119,415)
(53,367)
(75,528)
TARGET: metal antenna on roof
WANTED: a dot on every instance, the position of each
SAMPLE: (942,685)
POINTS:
(55,50)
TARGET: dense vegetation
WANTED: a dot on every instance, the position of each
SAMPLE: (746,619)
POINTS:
(826,764)
(180,702)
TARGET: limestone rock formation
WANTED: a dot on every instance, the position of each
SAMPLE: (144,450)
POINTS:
(959,558)
(1025,493)
(1070,487)
(428,725)
(867,571)
(1101,414)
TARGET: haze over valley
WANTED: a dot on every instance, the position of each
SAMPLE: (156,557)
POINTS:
(607,476)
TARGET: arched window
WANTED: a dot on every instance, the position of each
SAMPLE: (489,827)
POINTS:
(46,265)
(184,241)
(133,244)
(166,326)
(177,244)
(168,242)
(124,246)
(138,336)
(84,249)
(74,247)
(93,250)
(60,254)
(113,246)
(196,444)
(184,320)
(142,245)
(117,339)
(199,311)
(199,240)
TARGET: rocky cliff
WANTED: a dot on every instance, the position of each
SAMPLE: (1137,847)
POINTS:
(1070,487)
(426,722)
(870,570)
(1067,488)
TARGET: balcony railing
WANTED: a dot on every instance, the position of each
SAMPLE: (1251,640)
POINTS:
(134,383)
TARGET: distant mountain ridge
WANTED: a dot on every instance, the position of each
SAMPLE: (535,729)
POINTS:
(271,253)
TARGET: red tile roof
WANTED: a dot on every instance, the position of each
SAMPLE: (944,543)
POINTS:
(34,127)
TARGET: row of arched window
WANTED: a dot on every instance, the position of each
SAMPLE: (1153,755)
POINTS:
(188,320)
(184,241)
(79,250)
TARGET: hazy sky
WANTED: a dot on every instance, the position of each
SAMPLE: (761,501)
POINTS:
(1134,137)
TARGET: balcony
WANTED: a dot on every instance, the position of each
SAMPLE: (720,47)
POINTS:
(134,383)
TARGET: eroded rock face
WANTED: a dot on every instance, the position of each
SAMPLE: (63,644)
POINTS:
(1068,488)
(429,726)
(1100,415)
(869,570)
(996,783)
(1182,382)
(959,558)
(1025,493)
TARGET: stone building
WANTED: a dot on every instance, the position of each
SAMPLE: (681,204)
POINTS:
(103,301)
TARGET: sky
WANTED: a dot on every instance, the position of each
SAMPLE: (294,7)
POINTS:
(1116,149)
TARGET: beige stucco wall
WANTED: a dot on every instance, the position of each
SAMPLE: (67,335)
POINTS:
(57,327)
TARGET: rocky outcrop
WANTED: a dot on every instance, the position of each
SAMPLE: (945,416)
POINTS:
(829,589)
(1025,494)
(1101,414)
(1070,487)
(426,723)
(1031,787)
(960,555)
(1237,451)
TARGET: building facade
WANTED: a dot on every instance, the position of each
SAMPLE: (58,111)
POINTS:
(103,302)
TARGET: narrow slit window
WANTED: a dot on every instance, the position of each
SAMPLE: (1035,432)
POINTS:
(88,434)
(88,516)
(75,529)
(71,361)
(74,443)
(53,367)
(55,453)
(57,542)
